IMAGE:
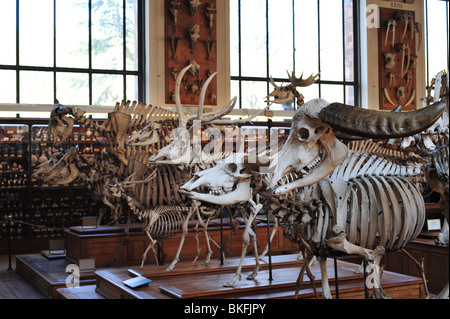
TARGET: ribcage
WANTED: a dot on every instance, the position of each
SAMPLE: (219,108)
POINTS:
(383,210)
(169,221)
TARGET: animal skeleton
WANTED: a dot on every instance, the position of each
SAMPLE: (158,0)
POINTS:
(178,153)
(311,161)
(432,144)
(348,202)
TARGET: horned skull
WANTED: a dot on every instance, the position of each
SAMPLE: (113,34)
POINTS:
(312,151)
(227,183)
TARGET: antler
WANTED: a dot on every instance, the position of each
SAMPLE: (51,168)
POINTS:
(300,82)
(183,119)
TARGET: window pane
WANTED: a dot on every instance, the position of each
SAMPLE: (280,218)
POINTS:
(7,86)
(332,93)
(72,88)
(132,88)
(331,55)
(348,40)
(234,37)
(72,33)
(107,89)
(107,34)
(234,92)
(254,94)
(36,32)
(437,37)
(309,92)
(280,38)
(36,87)
(350,95)
(253,41)
(8,32)
(132,35)
(306,38)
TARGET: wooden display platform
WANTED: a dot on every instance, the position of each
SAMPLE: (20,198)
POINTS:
(48,274)
(188,283)
(103,243)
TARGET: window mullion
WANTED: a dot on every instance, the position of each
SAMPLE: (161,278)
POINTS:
(90,50)
(318,46)
(124,35)
(267,48)
(54,50)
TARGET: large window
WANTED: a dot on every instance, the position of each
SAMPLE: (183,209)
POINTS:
(81,52)
(270,37)
(437,37)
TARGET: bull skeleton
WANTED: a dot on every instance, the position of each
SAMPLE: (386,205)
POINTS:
(312,152)
(432,144)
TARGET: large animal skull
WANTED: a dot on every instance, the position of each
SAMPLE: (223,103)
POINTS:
(179,151)
(59,169)
(227,183)
(45,167)
(149,135)
(312,151)
(60,125)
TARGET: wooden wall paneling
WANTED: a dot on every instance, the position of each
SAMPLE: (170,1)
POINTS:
(179,52)
(390,77)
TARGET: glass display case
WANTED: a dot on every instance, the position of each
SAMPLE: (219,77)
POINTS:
(37,209)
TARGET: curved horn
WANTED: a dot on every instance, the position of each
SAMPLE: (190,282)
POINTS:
(380,124)
(181,117)
(202,96)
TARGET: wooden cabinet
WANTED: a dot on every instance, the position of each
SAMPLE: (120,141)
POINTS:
(31,209)
(435,258)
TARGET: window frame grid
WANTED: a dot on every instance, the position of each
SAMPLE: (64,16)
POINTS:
(89,71)
(429,76)
(344,83)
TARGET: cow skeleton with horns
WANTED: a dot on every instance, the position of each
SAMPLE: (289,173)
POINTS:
(311,153)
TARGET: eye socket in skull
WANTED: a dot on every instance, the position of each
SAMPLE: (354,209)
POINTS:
(311,132)
(232,167)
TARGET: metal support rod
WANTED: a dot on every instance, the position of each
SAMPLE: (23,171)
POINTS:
(9,242)
(366,289)
(269,253)
(221,236)
(336,283)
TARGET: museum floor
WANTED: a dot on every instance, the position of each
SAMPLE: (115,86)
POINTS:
(13,285)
